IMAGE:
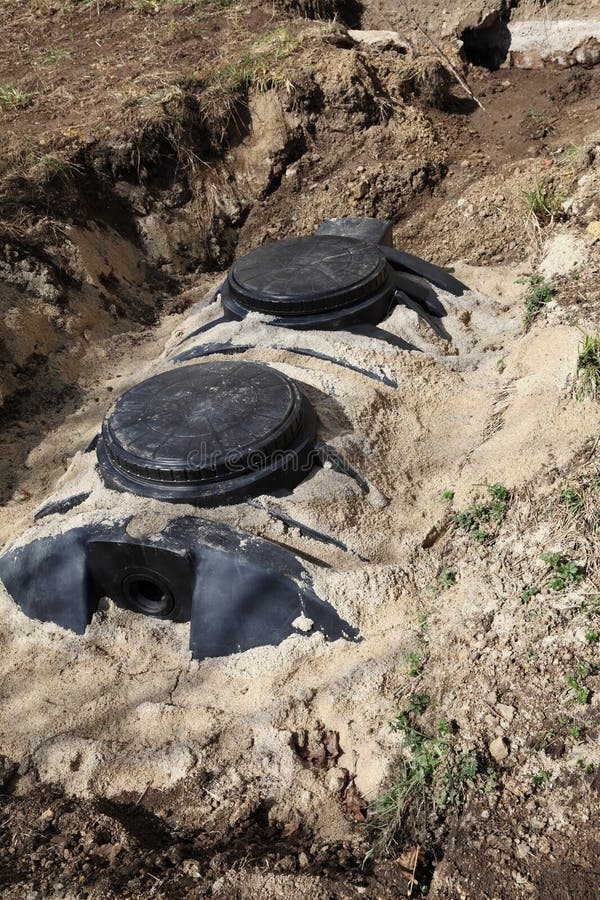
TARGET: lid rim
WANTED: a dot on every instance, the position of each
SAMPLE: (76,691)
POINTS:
(187,464)
(372,271)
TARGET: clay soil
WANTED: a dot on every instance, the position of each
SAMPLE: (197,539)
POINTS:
(145,145)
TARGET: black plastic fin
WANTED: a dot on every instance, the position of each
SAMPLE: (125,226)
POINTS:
(206,327)
(364,228)
(48,578)
(339,464)
(433,321)
(92,444)
(61,506)
(305,351)
(238,605)
(304,530)
(420,290)
(226,349)
(436,275)
(380,334)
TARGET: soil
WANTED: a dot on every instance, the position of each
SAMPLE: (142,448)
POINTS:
(131,176)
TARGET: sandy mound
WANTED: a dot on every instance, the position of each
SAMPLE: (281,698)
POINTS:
(124,709)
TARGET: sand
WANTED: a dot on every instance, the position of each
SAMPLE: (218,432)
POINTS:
(124,709)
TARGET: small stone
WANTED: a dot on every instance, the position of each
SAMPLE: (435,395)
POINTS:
(361,190)
(336,781)
(303,623)
(594,229)
(507,712)
(190,868)
(381,40)
(376,498)
(499,749)
(303,860)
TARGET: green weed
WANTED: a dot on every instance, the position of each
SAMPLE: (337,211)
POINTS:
(433,771)
(448,495)
(538,292)
(592,637)
(584,668)
(545,124)
(565,572)
(415,663)
(447,578)
(540,779)
(476,519)
(529,592)
(52,56)
(258,68)
(545,202)
(582,693)
(590,607)
(537,116)
(50,167)
(13,97)
(588,367)
(571,497)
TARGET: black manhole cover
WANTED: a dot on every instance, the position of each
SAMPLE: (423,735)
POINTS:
(321,280)
(208,434)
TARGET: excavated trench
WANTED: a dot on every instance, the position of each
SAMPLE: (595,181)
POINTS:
(106,244)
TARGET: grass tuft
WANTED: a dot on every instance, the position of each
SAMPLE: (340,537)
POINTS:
(538,293)
(587,382)
(432,769)
(571,498)
(415,663)
(545,202)
(447,578)
(529,592)
(581,692)
(13,97)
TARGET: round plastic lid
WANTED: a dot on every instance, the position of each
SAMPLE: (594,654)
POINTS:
(304,275)
(178,433)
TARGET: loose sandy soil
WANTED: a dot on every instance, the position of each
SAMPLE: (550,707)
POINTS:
(131,176)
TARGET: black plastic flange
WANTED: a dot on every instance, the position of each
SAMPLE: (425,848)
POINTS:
(238,591)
